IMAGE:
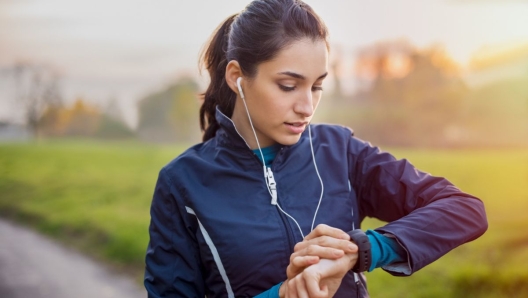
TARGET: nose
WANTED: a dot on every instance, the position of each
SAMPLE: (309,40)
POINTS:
(304,104)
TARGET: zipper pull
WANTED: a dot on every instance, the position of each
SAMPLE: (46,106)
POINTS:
(272,185)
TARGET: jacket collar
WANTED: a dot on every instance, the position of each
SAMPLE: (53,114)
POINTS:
(227,134)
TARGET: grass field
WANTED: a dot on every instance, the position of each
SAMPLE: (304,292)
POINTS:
(96,197)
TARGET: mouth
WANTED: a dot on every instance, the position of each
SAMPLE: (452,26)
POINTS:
(296,127)
(296,124)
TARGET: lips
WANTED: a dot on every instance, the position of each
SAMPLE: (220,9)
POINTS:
(296,127)
(296,124)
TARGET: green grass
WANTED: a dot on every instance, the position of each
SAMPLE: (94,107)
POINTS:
(93,195)
(96,196)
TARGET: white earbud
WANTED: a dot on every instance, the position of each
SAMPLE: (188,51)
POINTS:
(240,88)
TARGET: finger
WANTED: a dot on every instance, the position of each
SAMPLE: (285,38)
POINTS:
(326,241)
(291,289)
(325,230)
(322,252)
(324,290)
(352,259)
(301,287)
(299,263)
(304,261)
(283,289)
(312,280)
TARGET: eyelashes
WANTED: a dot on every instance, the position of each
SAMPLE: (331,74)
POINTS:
(288,88)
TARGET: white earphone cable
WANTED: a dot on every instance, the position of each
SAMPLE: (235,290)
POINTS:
(249,117)
(268,176)
(299,227)
(318,175)
(254,133)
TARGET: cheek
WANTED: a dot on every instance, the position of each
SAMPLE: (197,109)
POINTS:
(265,95)
(274,100)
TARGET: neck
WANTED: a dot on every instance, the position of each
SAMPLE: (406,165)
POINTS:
(243,126)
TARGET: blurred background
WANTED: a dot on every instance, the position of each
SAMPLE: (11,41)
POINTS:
(96,96)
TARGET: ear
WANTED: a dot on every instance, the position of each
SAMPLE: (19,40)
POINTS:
(233,72)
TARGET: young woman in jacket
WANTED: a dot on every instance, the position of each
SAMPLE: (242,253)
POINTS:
(270,204)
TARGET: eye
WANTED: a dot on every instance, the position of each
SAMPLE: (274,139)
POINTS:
(317,88)
(286,88)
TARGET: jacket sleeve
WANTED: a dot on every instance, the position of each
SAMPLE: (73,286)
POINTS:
(172,261)
(427,215)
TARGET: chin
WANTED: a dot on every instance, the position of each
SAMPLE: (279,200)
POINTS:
(289,140)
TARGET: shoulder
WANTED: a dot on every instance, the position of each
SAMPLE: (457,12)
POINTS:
(342,136)
(331,132)
(325,127)
(191,158)
(337,135)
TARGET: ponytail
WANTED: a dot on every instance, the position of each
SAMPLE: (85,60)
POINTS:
(218,92)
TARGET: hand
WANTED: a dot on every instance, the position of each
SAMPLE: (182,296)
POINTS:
(324,242)
(321,280)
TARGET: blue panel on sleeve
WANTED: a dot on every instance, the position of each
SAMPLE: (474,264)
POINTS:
(273,292)
(384,250)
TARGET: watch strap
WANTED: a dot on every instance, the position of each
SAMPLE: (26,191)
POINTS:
(364,255)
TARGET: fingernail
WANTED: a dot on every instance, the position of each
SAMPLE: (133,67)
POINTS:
(352,247)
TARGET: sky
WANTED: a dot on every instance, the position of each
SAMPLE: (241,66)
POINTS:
(126,49)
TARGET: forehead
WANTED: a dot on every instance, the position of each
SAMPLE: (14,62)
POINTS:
(306,57)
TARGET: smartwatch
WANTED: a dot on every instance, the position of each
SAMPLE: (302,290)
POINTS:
(363,243)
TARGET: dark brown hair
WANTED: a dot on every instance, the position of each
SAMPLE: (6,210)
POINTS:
(251,37)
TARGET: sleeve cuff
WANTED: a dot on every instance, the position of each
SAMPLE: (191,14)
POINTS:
(388,253)
(400,268)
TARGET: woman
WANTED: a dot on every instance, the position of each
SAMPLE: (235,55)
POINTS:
(270,204)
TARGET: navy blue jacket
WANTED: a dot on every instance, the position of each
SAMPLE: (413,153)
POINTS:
(215,233)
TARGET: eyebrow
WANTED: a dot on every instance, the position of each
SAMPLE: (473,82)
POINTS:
(300,76)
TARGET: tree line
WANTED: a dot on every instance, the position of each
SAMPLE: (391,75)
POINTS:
(407,96)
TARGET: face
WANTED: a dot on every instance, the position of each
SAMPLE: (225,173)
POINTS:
(283,95)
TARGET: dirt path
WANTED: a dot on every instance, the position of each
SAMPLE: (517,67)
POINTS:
(34,266)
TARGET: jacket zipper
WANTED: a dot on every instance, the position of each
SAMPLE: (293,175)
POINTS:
(287,227)
(285,222)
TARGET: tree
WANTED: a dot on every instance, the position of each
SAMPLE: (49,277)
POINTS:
(36,88)
(112,124)
(83,119)
(170,115)
(413,95)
